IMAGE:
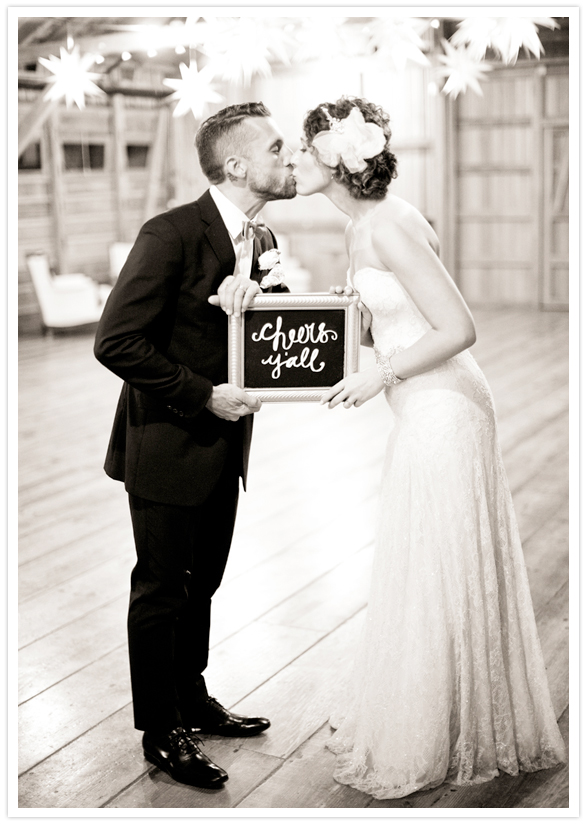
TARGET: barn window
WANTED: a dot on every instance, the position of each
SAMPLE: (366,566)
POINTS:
(83,155)
(31,157)
(137,156)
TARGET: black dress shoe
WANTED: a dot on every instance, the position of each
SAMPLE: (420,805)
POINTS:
(211,717)
(178,754)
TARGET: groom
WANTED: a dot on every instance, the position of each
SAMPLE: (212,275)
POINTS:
(181,433)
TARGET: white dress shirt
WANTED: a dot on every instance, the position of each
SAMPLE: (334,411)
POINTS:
(233,219)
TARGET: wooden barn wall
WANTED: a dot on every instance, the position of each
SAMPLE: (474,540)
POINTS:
(511,174)
(75,215)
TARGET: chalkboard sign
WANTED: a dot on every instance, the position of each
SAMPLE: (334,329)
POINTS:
(293,347)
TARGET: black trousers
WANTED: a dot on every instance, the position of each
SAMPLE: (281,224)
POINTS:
(181,557)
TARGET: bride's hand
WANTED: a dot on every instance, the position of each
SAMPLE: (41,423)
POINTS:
(355,389)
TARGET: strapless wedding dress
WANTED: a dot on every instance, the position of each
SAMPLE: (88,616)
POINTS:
(449,681)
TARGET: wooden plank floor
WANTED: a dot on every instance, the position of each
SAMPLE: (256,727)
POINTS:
(289,610)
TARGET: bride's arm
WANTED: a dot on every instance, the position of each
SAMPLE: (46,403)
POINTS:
(404,246)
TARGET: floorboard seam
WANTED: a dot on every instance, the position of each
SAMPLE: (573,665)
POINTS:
(291,595)
(71,741)
(21,538)
(264,780)
(47,590)
(273,675)
(69,675)
(72,621)
(130,785)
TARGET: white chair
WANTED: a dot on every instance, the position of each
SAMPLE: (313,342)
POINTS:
(66,300)
(118,253)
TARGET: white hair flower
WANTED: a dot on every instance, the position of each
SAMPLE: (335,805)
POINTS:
(351,140)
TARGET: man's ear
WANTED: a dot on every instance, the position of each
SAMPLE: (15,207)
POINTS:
(235,168)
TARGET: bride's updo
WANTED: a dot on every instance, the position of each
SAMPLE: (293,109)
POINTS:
(373,181)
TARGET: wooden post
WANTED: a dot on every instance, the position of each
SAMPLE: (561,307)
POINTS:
(449,186)
(120,176)
(33,121)
(57,193)
(186,179)
(156,164)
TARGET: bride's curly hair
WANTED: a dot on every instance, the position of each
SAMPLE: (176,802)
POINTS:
(372,183)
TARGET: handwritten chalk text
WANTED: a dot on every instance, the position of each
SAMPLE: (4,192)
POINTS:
(302,335)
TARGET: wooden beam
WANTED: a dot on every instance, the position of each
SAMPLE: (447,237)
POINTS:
(57,193)
(32,122)
(105,44)
(156,164)
(40,31)
(120,175)
(29,80)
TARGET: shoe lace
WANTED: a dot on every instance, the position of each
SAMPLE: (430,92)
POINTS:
(185,742)
(215,703)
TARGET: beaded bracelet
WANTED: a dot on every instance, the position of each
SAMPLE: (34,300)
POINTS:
(388,376)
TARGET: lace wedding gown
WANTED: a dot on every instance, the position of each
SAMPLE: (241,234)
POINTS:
(449,681)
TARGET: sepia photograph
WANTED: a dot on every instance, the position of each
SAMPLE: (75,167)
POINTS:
(294,300)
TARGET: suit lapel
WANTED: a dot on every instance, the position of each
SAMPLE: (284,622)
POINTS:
(216,232)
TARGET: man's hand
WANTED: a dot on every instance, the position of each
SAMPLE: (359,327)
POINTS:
(230,402)
(235,294)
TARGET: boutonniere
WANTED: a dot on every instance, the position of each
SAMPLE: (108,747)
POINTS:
(270,261)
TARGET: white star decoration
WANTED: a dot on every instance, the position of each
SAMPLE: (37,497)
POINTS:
(71,80)
(505,35)
(475,33)
(193,91)
(240,48)
(461,70)
(396,40)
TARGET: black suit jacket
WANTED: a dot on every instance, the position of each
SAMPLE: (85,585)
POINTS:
(161,336)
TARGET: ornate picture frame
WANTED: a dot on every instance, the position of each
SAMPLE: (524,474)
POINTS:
(294,346)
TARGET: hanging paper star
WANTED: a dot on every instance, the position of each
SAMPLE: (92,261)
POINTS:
(505,35)
(193,91)
(396,40)
(71,77)
(475,33)
(462,71)
(513,33)
(236,52)
(241,48)
(192,31)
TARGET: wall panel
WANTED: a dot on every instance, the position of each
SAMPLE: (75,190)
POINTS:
(511,168)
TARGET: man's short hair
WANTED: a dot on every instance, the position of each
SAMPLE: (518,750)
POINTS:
(222,135)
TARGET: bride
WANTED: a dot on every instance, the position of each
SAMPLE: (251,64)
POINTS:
(449,681)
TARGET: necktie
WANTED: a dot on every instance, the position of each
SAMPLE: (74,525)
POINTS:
(245,252)
(253,228)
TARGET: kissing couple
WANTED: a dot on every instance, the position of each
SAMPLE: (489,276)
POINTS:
(448,682)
